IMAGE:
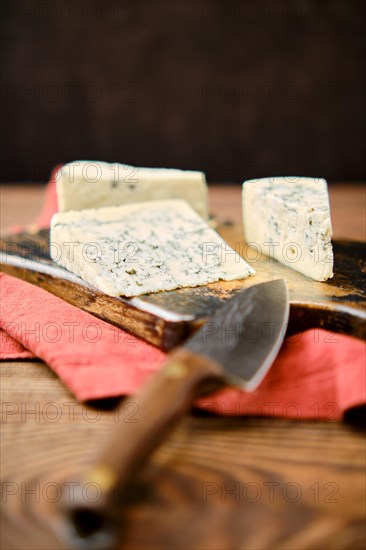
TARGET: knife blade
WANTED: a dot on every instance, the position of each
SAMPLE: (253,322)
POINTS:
(235,347)
(246,333)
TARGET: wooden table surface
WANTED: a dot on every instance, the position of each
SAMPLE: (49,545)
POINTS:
(216,483)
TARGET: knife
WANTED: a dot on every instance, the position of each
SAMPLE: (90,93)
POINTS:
(235,347)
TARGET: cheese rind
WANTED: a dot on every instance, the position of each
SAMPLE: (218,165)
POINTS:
(288,218)
(94,184)
(141,248)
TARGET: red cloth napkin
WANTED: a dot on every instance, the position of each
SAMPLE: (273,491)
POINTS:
(317,375)
(93,358)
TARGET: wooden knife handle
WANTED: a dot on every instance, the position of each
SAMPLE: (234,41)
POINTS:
(164,399)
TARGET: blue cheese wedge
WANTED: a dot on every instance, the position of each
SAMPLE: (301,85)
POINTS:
(141,248)
(288,219)
(91,184)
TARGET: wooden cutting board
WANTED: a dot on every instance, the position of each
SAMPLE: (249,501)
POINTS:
(165,319)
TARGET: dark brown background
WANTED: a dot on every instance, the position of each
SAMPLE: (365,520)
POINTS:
(239,89)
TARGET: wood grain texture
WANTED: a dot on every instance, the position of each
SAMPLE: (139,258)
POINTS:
(159,406)
(166,318)
(216,483)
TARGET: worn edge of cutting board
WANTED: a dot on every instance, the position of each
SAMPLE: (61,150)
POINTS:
(165,319)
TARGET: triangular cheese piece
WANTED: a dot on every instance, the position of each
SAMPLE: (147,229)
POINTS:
(93,184)
(141,248)
(288,219)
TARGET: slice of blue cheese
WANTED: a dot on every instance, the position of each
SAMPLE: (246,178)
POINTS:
(288,219)
(93,184)
(141,248)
